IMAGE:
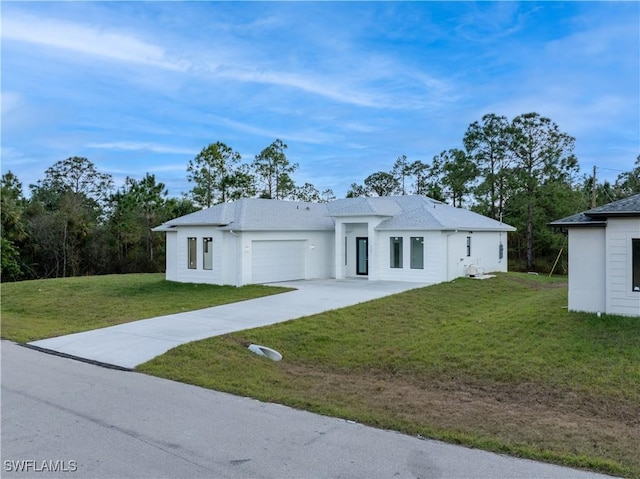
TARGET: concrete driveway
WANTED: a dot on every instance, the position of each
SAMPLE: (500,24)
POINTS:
(128,345)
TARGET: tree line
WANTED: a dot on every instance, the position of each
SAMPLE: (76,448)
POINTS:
(74,222)
(520,171)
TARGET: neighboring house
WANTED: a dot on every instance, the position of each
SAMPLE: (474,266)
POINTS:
(604,258)
(405,238)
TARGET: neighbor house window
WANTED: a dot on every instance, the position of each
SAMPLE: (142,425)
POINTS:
(468,245)
(396,252)
(417,252)
(501,251)
(192,249)
(635,264)
(207,253)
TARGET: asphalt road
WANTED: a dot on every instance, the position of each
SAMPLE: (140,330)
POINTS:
(91,422)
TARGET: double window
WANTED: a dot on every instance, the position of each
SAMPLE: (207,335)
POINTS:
(192,253)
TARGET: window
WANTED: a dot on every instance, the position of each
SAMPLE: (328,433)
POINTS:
(192,248)
(501,251)
(207,253)
(468,245)
(345,250)
(417,252)
(396,252)
(635,264)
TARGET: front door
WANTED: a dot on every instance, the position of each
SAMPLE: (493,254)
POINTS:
(362,256)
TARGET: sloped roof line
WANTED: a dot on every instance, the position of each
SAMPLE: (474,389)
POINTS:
(629,206)
(625,206)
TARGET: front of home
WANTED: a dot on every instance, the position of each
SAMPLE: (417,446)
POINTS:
(604,258)
(403,238)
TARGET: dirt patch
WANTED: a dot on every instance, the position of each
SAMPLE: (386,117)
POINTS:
(524,415)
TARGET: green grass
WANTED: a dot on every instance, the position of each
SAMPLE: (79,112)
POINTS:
(32,310)
(498,364)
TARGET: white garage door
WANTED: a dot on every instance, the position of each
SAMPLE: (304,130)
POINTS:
(278,261)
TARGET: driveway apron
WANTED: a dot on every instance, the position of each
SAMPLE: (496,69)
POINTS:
(130,344)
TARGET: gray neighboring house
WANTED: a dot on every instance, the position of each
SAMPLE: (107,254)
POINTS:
(604,258)
(403,238)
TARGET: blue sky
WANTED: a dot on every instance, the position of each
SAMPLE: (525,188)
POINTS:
(142,87)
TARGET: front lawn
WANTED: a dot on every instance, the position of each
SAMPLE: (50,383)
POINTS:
(32,310)
(497,364)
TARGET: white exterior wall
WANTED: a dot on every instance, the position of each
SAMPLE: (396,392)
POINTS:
(171,252)
(232,254)
(198,275)
(485,252)
(620,299)
(587,269)
(445,255)
(432,257)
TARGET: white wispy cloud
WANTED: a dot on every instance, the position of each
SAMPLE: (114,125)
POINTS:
(303,136)
(87,39)
(141,146)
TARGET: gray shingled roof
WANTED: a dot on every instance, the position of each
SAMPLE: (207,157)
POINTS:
(626,207)
(252,214)
(597,216)
(403,212)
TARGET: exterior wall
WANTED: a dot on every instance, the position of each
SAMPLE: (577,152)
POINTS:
(587,269)
(620,299)
(199,274)
(485,252)
(232,254)
(432,271)
(445,255)
(171,252)
(231,262)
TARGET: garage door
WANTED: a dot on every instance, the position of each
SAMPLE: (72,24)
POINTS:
(278,261)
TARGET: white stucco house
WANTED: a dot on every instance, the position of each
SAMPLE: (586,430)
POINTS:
(407,238)
(604,258)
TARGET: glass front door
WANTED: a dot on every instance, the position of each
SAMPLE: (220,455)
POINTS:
(362,256)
